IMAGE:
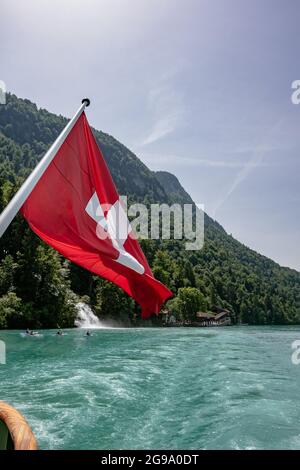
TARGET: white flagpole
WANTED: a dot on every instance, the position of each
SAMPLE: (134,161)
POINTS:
(22,194)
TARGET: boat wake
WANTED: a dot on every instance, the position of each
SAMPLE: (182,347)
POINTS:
(34,335)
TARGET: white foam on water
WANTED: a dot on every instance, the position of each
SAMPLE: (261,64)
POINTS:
(86,318)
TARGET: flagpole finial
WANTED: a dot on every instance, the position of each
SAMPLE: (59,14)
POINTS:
(87,101)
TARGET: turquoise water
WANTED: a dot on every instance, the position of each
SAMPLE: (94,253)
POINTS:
(172,388)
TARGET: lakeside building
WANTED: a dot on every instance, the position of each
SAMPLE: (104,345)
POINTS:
(223,318)
(205,319)
(220,318)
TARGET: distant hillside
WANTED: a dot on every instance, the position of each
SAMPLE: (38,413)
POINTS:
(173,188)
(38,287)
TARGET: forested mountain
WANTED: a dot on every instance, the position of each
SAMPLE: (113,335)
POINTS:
(40,288)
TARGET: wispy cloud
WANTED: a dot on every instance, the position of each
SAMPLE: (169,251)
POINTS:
(255,161)
(248,149)
(159,160)
(167,108)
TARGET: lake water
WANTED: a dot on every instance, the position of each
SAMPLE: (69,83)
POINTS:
(166,388)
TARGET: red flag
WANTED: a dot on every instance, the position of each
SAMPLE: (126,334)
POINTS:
(76,209)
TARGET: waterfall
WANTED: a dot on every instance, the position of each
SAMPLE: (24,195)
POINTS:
(86,318)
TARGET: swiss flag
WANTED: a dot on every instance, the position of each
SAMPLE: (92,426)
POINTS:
(76,209)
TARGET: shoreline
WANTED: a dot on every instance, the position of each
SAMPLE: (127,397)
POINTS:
(132,327)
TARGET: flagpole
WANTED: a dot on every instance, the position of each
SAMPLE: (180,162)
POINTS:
(22,194)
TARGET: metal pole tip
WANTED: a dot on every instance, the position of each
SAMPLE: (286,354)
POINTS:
(87,101)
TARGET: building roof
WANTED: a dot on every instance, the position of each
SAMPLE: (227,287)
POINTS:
(204,315)
(221,314)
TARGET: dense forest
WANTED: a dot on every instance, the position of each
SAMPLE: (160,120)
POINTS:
(39,288)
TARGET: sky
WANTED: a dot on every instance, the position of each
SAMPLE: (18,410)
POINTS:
(200,88)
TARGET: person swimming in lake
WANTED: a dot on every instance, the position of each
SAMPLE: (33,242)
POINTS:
(88,333)
(59,333)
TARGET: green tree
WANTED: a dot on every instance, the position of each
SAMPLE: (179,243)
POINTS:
(110,302)
(188,302)
(10,310)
